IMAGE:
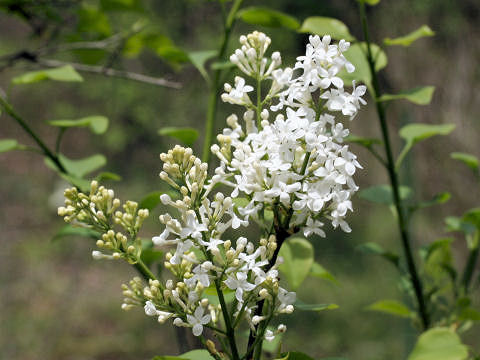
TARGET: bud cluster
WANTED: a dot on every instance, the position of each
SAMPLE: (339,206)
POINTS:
(251,61)
(99,211)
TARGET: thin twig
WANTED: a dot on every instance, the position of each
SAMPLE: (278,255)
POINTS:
(100,70)
(393,176)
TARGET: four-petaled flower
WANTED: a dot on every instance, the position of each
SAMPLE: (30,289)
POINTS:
(197,320)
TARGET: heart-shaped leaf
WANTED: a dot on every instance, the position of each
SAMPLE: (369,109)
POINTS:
(439,344)
(297,256)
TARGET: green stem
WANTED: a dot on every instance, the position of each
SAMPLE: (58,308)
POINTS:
(59,139)
(392,174)
(305,163)
(144,270)
(230,332)
(48,153)
(377,156)
(470,267)
(282,234)
(215,86)
(259,102)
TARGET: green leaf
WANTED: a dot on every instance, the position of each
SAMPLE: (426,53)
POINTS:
(75,180)
(376,249)
(357,55)
(439,344)
(97,124)
(107,175)
(472,216)
(8,145)
(93,20)
(223,65)
(414,133)
(187,135)
(440,198)
(297,255)
(315,307)
(469,224)
(420,95)
(199,58)
(295,355)
(121,5)
(366,142)
(454,223)
(165,48)
(370,2)
(468,159)
(321,26)
(469,313)
(150,201)
(212,295)
(65,73)
(392,307)
(191,355)
(408,39)
(438,260)
(69,230)
(149,256)
(382,194)
(84,166)
(267,17)
(134,45)
(240,201)
(319,271)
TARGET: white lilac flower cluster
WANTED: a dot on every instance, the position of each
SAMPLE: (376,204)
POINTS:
(298,163)
(203,258)
(296,169)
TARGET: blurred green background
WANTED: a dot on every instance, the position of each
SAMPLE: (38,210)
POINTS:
(58,303)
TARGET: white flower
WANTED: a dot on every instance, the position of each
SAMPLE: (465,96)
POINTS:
(200,275)
(192,228)
(150,309)
(313,227)
(299,160)
(239,283)
(182,247)
(269,335)
(197,320)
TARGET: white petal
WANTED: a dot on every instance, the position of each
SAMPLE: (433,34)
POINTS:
(197,329)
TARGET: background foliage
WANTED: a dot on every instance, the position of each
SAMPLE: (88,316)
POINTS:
(57,303)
